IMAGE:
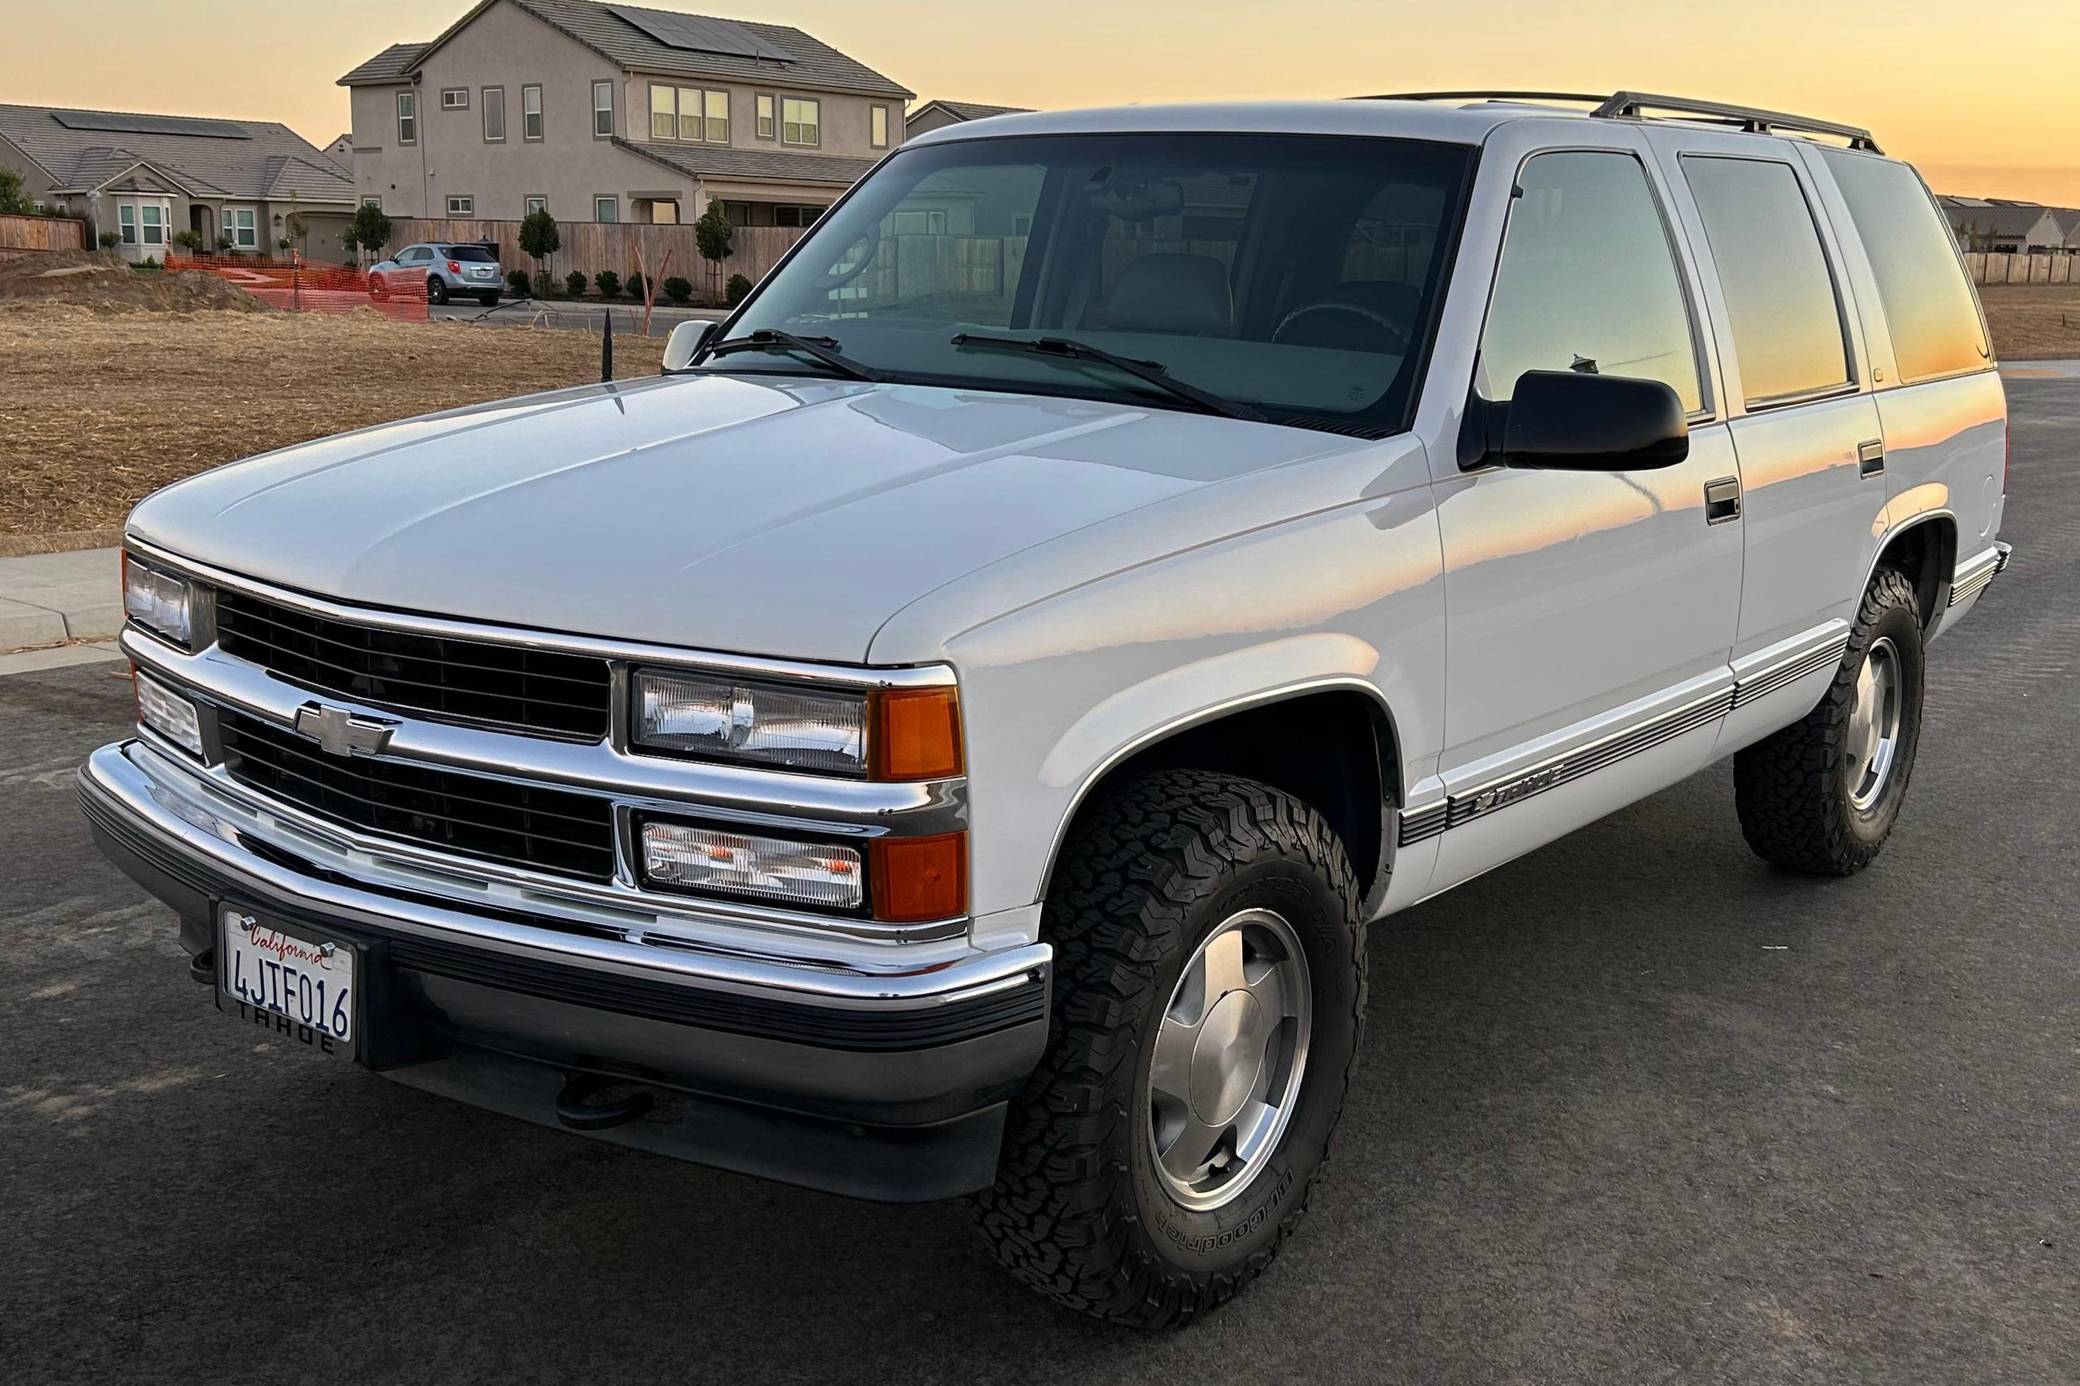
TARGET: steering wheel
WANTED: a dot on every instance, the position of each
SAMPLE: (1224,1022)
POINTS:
(1394,330)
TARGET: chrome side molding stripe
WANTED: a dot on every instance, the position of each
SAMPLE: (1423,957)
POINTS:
(1420,825)
(1786,672)
(1974,575)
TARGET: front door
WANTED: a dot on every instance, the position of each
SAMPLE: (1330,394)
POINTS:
(1589,613)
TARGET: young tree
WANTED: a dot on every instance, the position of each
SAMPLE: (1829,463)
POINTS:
(12,199)
(540,239)
(711,236)
(370,228)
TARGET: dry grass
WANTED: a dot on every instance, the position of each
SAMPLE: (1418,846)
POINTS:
(2038,322)
(97,410)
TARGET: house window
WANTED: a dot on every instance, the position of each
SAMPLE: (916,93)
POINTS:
(796,216)
(880,130)
(494,115)
(407,117)
(462,206)
(454,98)
(240,224)
(664,112)
(716,105)
(606,209)
(739,213)
(155,224)
(602,110)
(688,114)
(533,205)
(531,112)
(801,121)
(765,115)
(126,216)
(375,202)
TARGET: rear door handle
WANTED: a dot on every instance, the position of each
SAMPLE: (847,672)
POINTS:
(1870,458)
(1722,500)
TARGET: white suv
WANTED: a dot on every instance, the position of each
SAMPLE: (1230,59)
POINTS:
(951,735)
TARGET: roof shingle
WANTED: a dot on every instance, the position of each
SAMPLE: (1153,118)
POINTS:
(717,161)
(262,155)
(387,66)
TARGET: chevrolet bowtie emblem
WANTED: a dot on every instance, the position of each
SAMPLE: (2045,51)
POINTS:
(342,733)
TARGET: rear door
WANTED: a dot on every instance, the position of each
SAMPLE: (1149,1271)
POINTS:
(1589,613)
(1814,488)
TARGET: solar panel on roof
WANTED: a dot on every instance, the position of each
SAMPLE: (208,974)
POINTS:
(697,34)
(152,125)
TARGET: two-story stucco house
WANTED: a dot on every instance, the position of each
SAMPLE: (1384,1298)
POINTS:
(608,112)
(144,179)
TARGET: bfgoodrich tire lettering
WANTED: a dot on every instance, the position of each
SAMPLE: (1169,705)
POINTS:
(1079,1211)
(1802,794)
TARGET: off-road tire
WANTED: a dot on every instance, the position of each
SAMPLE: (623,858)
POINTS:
(1152,869)
(1792,790)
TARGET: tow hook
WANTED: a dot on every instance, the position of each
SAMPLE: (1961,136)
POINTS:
(577,1107)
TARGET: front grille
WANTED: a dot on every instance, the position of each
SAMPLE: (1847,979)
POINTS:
(551,830)
(467,681)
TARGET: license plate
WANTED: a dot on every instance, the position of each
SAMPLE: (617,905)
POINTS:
(291,982)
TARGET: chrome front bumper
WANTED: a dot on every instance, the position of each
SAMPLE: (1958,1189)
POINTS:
(885,1081)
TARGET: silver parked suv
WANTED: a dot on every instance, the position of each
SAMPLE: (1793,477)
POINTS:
(951,734)
(439,272)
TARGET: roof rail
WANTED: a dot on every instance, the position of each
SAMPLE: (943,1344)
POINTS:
(1634,105)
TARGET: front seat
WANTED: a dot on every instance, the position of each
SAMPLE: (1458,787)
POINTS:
(1182,295)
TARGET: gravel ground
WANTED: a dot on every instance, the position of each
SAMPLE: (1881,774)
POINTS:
(1632,1109)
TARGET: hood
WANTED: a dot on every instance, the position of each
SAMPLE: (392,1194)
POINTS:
(787,518)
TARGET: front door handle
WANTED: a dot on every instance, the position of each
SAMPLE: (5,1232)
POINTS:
(1722,500)
(1870,458)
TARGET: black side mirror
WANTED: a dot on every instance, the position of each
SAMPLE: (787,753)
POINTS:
(1571,421)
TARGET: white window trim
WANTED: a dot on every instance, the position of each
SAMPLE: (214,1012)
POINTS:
(771,118)
(877,114)
(404,117)
(701,117)
(607,110)
(534,202)
(816,143)
(500,137)
(541,118)
(448,105)
(228,225)
(603,199)
(469,210)
(128,228)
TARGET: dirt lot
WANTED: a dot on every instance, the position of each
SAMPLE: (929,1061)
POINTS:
(2034,321)
(97,409)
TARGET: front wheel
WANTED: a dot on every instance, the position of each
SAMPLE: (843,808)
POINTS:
(1208,999)
(1822,795)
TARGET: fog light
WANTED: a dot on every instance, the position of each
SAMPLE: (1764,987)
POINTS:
(813,875)
(167,713)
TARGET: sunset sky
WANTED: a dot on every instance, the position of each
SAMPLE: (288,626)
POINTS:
(1979,96)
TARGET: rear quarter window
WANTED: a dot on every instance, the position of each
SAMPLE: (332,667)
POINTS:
(1929,307)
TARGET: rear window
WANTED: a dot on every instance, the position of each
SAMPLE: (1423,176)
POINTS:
(1780,295)
(1928,303)
(474,254)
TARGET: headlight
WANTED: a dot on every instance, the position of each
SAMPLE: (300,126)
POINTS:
(815,875)
(889,734)
(167,713)
(159,601)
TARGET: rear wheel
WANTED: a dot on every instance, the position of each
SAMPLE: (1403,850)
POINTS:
(1822,795)
(1208,997)
(436,289)
(490,300)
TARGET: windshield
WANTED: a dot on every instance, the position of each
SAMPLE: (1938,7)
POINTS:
(475,254)
(1297,274)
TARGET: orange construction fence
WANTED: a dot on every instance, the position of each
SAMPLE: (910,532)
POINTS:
(301,286)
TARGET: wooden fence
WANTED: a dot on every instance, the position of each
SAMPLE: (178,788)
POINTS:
(33,235)
(590,247)
(1988,268)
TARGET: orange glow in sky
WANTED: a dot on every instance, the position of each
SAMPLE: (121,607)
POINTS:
(1980,97)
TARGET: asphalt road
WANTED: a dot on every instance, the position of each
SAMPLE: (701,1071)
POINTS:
(1633,1109)
(576,315)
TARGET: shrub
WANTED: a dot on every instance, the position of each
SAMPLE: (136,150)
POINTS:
(109,240)
(370,229)
(634,288)
(608,283)
(544,286)
(190,241)
(574,284)
(539,238)
(518,279)
(12,199)
(739,289)
(678,290)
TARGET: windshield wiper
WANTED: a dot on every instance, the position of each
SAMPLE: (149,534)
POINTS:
(823,349)
(1150,372)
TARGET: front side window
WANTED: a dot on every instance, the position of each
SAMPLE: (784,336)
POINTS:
(1231,260)
(603,109)
(606,209)
(801,121)
(765,115)
(1929,307)
(531,112)
(1587,280)
(494,115)
(1780,294)
(462,206)
(407,117)
(878,133)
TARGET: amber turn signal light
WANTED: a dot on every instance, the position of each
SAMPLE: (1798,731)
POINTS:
(919,879)
(916,734)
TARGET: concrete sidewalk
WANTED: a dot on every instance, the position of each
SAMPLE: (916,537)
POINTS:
(53,598)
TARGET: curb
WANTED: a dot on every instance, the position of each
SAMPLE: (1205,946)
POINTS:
(56,598)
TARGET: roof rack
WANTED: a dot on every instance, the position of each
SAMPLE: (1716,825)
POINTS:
(1634,105)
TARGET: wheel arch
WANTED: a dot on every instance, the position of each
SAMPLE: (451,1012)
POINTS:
(1924,548)
(1339,751)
